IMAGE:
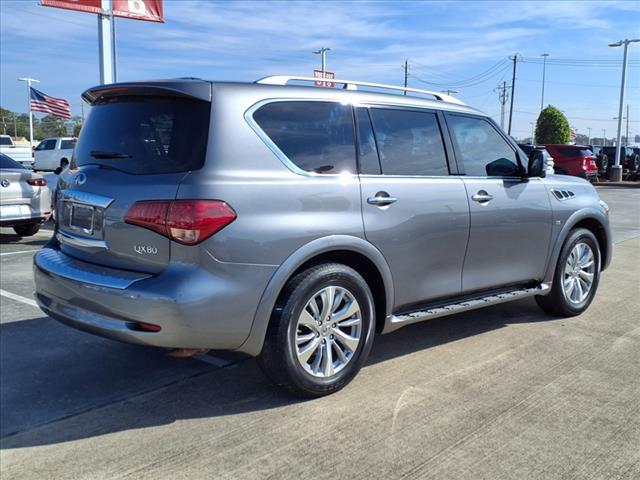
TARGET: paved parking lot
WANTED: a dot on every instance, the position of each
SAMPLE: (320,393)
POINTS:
(502,393)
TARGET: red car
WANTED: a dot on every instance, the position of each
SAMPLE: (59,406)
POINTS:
(576,160)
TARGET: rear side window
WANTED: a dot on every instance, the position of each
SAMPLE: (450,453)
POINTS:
(409,142)
(7,162)
(145,135)
(483,150)
(5,141)
(316,136)
(67,144)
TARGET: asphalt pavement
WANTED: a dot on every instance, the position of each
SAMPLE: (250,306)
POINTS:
(501,393)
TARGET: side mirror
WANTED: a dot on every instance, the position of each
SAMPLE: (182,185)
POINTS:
(536,167)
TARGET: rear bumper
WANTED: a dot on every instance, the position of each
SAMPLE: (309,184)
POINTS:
(194,307)
(12,215)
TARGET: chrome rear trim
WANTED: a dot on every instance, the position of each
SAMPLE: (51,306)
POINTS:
(395,322)
(81,242)
(86,198)
(54,262)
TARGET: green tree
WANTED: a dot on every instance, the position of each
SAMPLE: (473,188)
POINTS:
(552,127)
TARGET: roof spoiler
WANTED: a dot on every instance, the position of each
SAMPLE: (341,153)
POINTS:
(179,87)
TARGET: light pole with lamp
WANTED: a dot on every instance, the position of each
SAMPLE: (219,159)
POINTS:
(616,170)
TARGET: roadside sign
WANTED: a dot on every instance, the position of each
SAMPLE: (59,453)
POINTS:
(149,10)
(325,74)
(69,126)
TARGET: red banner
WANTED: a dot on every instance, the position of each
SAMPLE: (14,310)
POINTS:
(149,10)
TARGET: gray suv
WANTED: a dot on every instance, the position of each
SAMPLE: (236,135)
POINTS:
(292,222)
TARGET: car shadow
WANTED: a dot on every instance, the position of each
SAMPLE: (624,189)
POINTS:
(26,241)
(76,373)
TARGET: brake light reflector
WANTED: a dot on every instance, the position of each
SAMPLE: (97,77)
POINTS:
(186,221)
(37,182)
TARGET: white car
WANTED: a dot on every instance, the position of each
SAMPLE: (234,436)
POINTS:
(20,153)
(52,153)
(25,200)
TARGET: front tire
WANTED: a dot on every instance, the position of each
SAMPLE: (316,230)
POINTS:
(576,277)
(321,331)
(26,230)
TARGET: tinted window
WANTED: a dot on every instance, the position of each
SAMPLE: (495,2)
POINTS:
(482,149)
(315,136)
(367,151)
(146,135)
(6,162)
(67,144)
(571,151)
(5,141)
(409,142)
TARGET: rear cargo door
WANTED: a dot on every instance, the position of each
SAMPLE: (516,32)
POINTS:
(137,144)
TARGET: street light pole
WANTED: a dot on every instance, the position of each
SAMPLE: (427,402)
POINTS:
(604,137)
(616,170)
(544,69)
(29,82)
(589,140)
(323,54)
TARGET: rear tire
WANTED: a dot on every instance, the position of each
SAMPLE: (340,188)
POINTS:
(321,331)
(26,230)
(576,277)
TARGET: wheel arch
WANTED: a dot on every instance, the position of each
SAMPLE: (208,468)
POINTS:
(594,221)
(351,251)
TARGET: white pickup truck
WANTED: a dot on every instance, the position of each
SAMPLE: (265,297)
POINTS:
(52,153)
(20,153)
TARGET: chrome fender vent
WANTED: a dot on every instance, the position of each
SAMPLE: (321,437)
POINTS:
(563,194)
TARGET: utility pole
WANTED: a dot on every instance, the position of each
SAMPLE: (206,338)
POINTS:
(604,137)
(406,74)
(15,124)
(616,170)
(533,133)
(544,69)
(502,98)
(323,54)
(589,140)
(449,91)
(513,90)
(29,81)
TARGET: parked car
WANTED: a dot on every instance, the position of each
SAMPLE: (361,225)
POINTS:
(537,150)
(52,153)
(602,159)
(25,202)
(576,160)
(292,223)
(630,160)
(20,153)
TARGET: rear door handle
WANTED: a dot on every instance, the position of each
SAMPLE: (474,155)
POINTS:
(482,197)
(381,199)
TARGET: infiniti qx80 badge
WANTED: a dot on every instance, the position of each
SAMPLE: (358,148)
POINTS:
(80,179)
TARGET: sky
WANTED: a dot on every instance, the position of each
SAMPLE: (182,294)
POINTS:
(462,46)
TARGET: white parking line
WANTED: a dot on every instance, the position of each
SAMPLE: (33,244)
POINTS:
(20,251)
(18,298)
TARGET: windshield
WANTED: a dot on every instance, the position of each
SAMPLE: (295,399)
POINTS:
(145,135)
(7,162)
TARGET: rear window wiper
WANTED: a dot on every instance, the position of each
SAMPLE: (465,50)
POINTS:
(103,154)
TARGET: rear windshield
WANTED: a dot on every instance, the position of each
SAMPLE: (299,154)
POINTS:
(146,135)
(6,162)
(573,151)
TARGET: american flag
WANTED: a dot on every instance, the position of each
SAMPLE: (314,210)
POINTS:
(41,102)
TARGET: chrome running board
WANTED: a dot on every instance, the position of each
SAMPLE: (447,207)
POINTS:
(394,322)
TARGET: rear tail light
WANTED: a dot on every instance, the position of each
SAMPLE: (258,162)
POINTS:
(186,221)
(37,182)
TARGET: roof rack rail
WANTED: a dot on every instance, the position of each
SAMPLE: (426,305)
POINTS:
(353,85)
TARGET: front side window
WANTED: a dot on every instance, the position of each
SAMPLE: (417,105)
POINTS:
(409,142)
(483,150)
(46,145)
(316,136)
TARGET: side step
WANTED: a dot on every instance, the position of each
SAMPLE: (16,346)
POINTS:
(395,322)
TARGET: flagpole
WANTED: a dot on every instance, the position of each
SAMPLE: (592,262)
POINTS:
(29,81)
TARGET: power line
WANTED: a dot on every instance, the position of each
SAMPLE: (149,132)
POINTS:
(492,71)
